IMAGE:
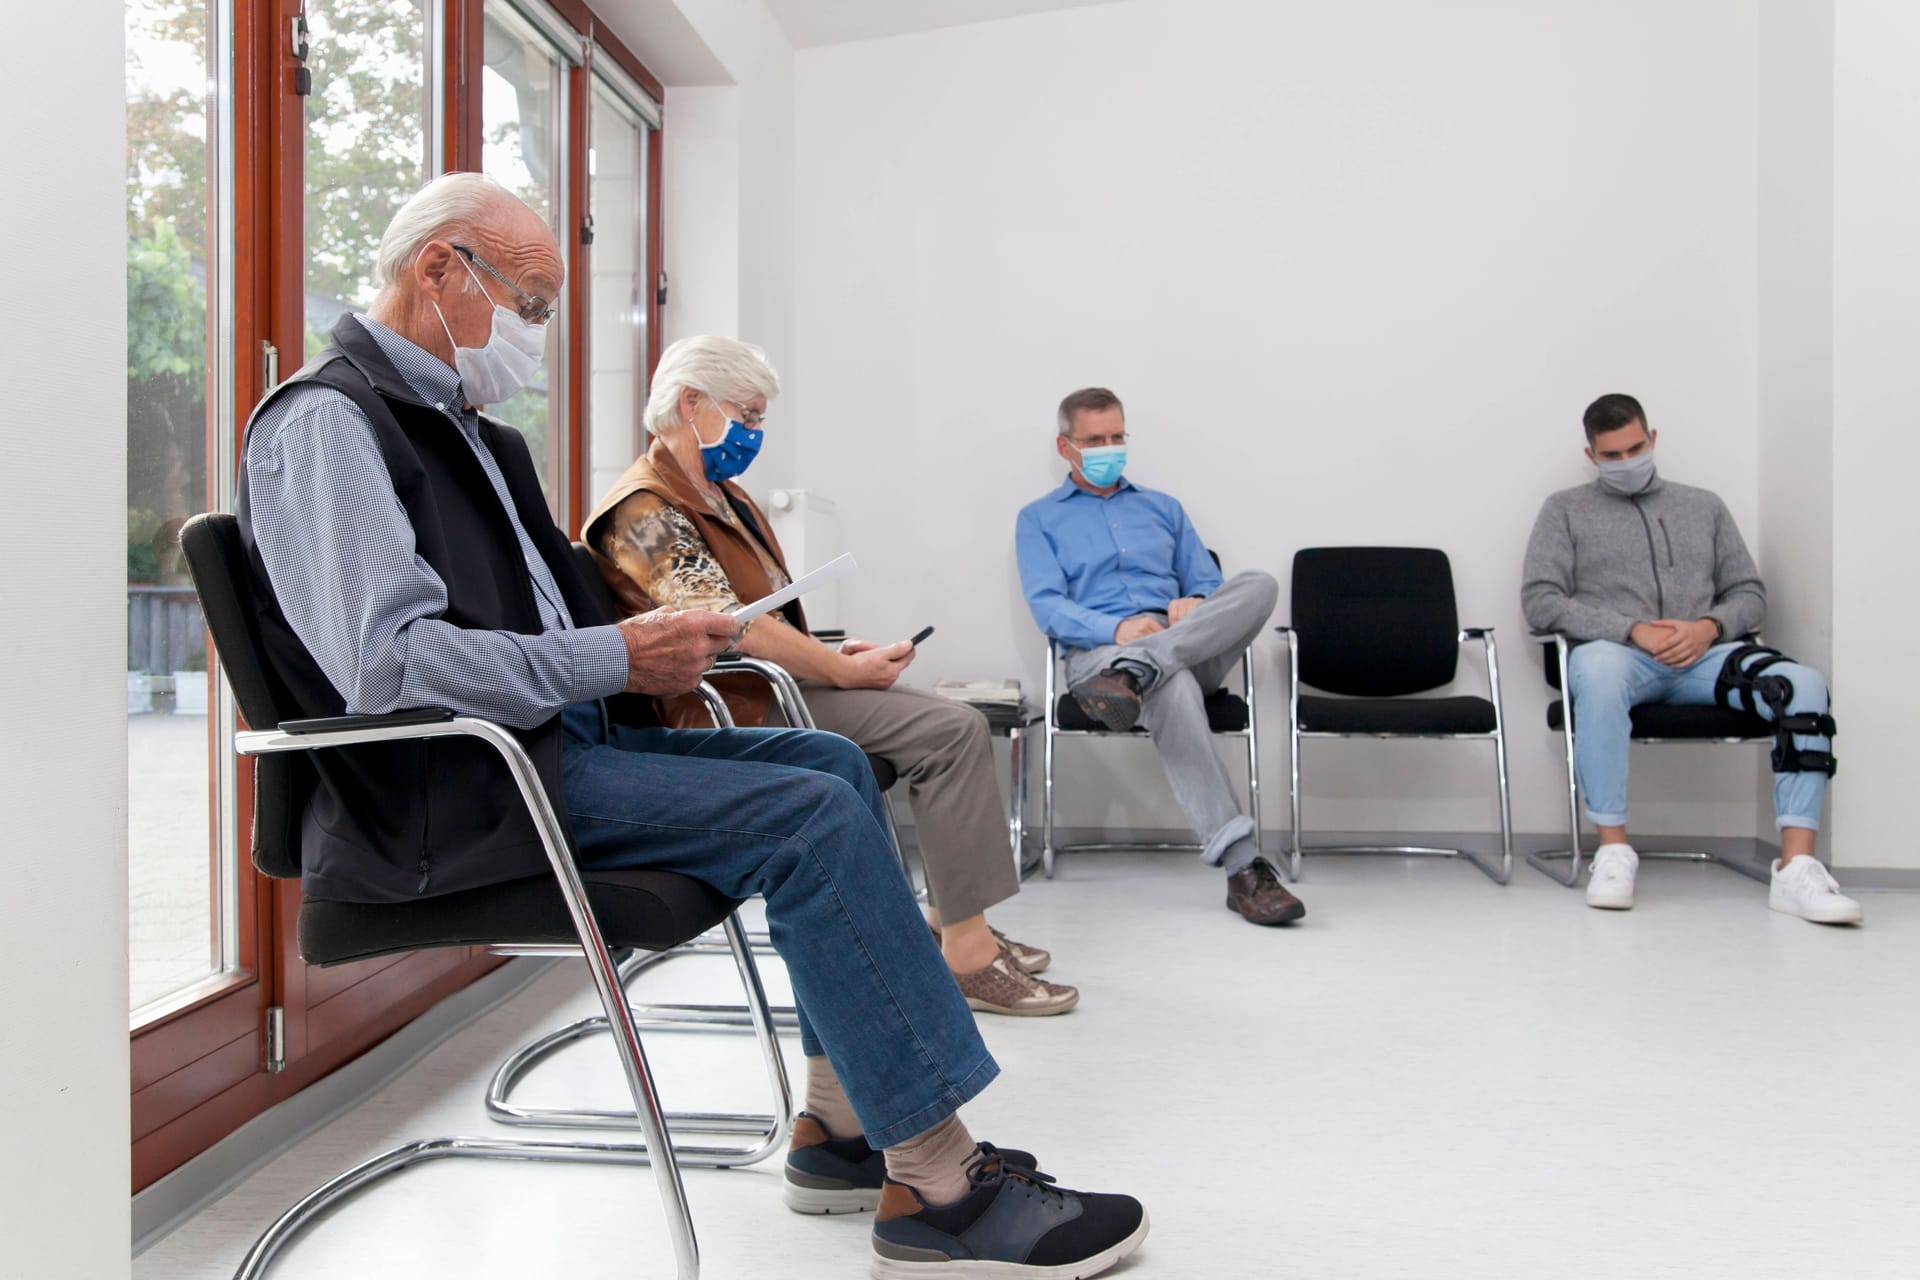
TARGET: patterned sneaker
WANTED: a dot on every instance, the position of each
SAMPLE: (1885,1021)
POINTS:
(1002,987)
(844,1175)
(1807,889)
(1030,959)
(1011,1224)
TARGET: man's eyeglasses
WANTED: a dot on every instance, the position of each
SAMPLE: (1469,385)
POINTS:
(533,308)
(1099,442)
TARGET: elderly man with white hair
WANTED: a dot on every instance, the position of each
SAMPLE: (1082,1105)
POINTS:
(403,556)
(677,529)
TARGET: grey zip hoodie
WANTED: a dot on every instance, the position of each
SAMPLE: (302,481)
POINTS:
(1598,564)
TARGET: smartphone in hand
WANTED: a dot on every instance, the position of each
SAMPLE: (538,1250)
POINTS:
(923,634)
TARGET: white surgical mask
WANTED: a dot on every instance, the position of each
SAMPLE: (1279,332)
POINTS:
(514,353)
(1627,476)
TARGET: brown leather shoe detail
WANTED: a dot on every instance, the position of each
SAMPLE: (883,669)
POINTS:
(897,1201)
(1257,894)
(1003,987)
(807,1132)
(1110,697)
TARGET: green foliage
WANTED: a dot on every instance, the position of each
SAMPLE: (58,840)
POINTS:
(143,562)
(196,660)
(366,145)
(166,310)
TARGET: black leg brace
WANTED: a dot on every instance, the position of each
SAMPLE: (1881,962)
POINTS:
(1743,679)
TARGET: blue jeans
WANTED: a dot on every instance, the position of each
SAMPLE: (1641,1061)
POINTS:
(1608,679)
(793,816)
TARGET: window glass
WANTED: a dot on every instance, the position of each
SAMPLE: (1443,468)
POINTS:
(175,266)
(617,199)
(523,146)
(367,143)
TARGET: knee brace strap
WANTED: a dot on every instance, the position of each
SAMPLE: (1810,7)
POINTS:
(1742,678)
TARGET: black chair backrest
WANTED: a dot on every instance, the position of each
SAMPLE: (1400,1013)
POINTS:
(1375,622)
(217,561)
(595,584)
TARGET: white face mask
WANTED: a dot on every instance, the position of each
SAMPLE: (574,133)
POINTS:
(514,353)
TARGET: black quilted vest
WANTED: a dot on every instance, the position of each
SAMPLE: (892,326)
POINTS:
(402,820)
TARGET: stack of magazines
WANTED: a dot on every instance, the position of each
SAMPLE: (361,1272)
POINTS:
(980,693)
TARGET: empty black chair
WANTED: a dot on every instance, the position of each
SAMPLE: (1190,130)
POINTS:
(1376,626)
(569,913)
(1652,722)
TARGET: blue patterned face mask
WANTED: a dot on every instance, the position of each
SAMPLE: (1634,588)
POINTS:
(1103,465)
(733,453)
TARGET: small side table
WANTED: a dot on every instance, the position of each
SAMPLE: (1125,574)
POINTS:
(1012,723)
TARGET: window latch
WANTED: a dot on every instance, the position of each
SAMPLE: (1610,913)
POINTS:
(586,230)
(660,291)
(302,76)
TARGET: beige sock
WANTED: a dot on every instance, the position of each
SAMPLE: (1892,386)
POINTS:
(935,1163)
(827,1101)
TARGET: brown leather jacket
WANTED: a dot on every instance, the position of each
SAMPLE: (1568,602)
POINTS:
(659,473)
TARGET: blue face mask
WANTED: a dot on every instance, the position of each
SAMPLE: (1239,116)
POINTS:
(1102,465)
(733,453)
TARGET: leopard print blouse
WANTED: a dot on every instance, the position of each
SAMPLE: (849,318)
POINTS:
(659,548)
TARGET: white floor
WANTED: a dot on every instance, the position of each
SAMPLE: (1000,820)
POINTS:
(1429,1077)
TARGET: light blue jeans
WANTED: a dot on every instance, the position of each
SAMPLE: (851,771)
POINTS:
(1608,679)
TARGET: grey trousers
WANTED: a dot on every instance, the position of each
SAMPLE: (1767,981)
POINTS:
(945,753)
(1177,668)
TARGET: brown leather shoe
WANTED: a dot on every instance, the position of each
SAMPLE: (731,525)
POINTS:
(1257,894)
(1112,697)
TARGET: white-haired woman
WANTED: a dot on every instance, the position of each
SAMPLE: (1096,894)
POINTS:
(676,530)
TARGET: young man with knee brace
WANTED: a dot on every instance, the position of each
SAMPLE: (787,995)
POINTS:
(1651,582)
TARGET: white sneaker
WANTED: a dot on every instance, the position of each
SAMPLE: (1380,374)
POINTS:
(1610,887)
(1806,889)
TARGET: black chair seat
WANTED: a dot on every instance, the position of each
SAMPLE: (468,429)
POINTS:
(884,774)
(1658,720)
(1395,715)
(1226,713)
(650,910)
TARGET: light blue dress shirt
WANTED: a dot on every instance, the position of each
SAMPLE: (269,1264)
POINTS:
(1089,563)
(339,550)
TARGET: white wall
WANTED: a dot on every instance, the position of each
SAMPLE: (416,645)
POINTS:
(1355,269)
(1876,449)
(728,202)
(63,883)
(1795,536)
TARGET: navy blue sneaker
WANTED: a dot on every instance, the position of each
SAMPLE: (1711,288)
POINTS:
(845,1175)
(1012,1223)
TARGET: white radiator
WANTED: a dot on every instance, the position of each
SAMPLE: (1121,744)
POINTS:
(808,529)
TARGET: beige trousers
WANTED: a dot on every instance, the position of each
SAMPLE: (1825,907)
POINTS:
(944,753)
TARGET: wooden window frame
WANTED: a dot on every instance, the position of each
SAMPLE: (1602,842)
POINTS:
(200,1071)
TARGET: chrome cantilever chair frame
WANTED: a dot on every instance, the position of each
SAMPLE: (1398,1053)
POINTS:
(1500,874)
(1572,855)
(1051,731)
(657,1148)
(668,1015)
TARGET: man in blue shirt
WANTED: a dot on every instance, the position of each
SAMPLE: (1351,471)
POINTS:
(1118,575)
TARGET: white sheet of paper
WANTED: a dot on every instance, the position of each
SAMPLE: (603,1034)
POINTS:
(838,567)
